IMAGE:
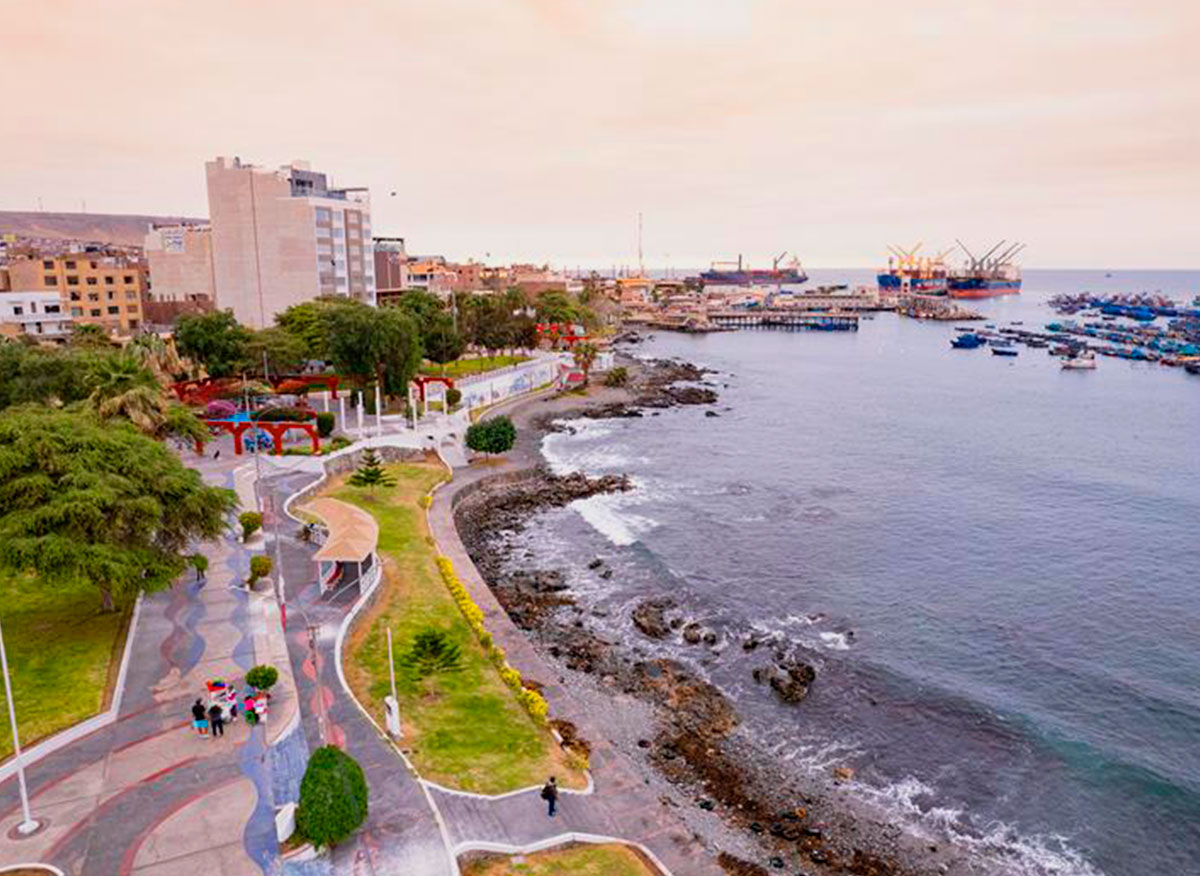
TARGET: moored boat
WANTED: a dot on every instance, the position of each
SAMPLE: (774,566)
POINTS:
(968,341)
(1085,361)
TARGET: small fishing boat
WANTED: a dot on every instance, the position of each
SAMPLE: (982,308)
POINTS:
(968,341)
(1081,362)
(1003,351)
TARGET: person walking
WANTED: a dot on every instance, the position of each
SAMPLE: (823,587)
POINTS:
(550,795)
(199,718)
(217,718)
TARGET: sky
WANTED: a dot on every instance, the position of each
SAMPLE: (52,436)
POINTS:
(539,129)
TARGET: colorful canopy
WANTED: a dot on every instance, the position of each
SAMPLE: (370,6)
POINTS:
(353,533)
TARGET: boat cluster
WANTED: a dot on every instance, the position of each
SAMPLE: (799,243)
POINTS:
(1125,330)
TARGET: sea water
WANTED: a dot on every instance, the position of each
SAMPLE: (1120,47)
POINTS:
(996,561)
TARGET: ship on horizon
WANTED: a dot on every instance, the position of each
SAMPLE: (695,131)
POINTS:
(737,274)
(989,276)
(909,273)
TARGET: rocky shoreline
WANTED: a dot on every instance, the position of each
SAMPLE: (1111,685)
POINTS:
(778,822)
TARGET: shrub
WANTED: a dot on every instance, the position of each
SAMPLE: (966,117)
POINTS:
(340,442)
(324,424)
(616,377)
(292,387)
(371,473)
(260,567)
(283,415)
(333,797)
(431,653)
(251,522)
(262,677)
(494,435)
(453,396)
(199,562)
(220,409)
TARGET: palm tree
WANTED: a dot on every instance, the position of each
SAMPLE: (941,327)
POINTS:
(158,355)
(585,356)
(122,387)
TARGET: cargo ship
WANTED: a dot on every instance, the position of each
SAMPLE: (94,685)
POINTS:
(989,276)
(908,273)
(737,274)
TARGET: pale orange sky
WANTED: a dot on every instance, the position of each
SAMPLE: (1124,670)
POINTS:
(539,128)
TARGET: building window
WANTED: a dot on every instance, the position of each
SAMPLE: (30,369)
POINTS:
(111,295)
(74,296)
(76,311)
(91,281)
(133,323)
(95,311)
(128,279)
(48,265)
(130,295)
(324,216)
(70,266)
(93,296)
(18,310)
(53,308)
(50,280)
(72,281)
(109,280)
(93,264)
(114,310)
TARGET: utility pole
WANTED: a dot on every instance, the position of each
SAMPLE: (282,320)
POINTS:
(28,825)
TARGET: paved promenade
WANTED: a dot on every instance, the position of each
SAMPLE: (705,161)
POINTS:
(146,794)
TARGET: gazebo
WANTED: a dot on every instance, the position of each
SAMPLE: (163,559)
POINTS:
(348,553)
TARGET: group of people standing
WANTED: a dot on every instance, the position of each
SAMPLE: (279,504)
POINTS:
(223,708)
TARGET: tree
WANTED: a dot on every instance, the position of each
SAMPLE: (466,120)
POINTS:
(262,677)
(90,335)
(440,341)
(122,387)
(431,653)
(325,424)
(215,340)
(284,351)
(494,435)
(365,342)
(585,357)
(371,473)
(81,501)
(45,376)
(306,323)
(158,356)
(333,797)
(423,307)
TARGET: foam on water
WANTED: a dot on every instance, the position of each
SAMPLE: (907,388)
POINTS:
(834,641)
(608,514)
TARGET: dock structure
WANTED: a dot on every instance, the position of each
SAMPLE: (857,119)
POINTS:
(785,318)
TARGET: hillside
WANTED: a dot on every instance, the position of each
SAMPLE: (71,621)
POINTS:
(118,228)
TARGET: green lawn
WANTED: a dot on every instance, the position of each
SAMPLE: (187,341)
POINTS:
(465,729)
(580,860)
(465,367)
(60,652)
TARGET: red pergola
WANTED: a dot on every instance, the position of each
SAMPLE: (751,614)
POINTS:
(422,380)
(276,430)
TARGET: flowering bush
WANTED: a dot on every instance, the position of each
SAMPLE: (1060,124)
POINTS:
(220,409)
(534,703)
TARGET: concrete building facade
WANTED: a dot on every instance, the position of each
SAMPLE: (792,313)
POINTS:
(280,237)
(39,315)
(95,288)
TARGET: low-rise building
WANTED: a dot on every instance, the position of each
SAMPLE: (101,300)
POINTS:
(38,315)
(95,288)
(180,261)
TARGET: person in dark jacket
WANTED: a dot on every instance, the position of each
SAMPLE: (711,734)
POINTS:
(199,717)
(217,717)
(550,795)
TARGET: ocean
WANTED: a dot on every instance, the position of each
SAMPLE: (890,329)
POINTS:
(997,562)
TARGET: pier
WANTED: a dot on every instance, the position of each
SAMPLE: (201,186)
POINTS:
(785,318)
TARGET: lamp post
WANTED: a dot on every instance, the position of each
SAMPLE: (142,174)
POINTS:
(28,825)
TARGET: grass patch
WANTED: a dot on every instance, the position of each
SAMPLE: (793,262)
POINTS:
(465,367)
(465,729)
(62,654)
(580,860)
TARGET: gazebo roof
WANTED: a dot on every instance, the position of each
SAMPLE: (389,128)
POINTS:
(353,533)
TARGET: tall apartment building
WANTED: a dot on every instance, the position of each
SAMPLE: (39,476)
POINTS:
(94,287)
(284,236)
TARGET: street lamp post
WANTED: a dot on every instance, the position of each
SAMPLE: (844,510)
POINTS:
(28,825)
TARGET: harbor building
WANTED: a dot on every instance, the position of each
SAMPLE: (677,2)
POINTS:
(280,237)
(94,287)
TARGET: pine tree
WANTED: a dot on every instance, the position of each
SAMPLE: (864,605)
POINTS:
(371,473)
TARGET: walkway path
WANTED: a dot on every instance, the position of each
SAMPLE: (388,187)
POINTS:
(145,794)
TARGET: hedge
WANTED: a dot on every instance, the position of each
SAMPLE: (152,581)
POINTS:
(535,704)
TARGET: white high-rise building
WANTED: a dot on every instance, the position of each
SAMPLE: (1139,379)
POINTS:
(284,236)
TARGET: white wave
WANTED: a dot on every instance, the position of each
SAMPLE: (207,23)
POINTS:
(608,514)
(834,641)
(582,448)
